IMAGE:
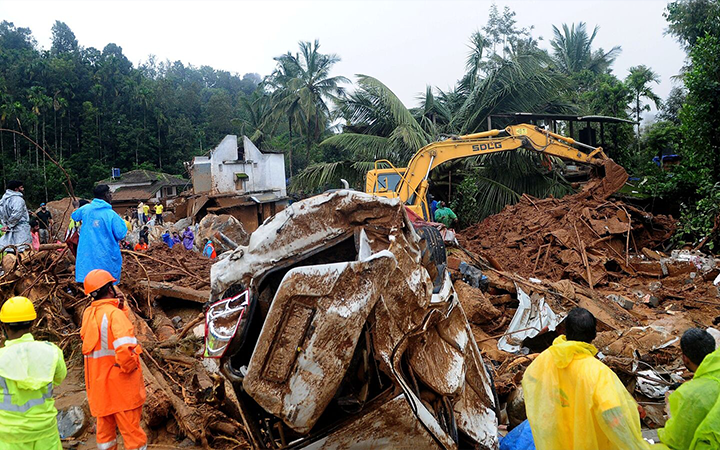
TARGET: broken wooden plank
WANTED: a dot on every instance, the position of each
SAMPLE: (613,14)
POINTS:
(170,290)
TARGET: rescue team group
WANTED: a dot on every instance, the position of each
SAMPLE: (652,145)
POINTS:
(29,369)
(573,400)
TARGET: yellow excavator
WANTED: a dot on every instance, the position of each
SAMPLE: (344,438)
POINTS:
(410,184)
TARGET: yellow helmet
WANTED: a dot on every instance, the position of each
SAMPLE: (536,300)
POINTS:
(17,309)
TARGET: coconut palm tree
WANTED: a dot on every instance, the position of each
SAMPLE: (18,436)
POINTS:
(433,115)
(639,81)
(521,82)
(378,126)
(302,85)
(572,50)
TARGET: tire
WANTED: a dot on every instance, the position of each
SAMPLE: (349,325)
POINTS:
(434,244)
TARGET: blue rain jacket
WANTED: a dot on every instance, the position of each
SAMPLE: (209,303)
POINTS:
(102,230)
(520,438)
(167,239)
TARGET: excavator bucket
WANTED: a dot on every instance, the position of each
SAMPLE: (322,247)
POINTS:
(615,178)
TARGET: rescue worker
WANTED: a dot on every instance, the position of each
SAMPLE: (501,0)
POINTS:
(695,406)
(433,206)
(29,370)
(209,250)
(113,376)
(188,238)
(167,239)
(35,235)
(141,246)
(445,215)
(45,221)
(141,214)
(158,214)
(14,218)
(146,212)
(574,401)
(102,231)
(144,234)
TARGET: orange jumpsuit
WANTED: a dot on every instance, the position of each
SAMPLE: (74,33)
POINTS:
(113,377)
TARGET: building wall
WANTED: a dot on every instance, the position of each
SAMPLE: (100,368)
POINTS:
(264,171)
(201,174)
(268,169)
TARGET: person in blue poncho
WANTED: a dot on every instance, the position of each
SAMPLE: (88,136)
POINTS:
(102,230)
(209,250)
(167,239)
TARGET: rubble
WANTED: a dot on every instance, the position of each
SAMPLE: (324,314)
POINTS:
(356,338)
(591,251)
(214,227)
(184,399)
(583,237)
(401,351)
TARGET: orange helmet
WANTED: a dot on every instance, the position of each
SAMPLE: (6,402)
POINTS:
(96,279)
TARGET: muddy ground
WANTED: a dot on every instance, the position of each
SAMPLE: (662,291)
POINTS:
(589,250)
(583,250)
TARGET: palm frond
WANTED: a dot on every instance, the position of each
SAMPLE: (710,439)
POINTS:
(324,176)
(361,146)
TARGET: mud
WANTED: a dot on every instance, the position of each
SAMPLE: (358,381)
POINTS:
(187,404)
(582,237)
(592,251)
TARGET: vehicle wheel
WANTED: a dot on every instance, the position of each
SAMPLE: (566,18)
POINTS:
(434,244)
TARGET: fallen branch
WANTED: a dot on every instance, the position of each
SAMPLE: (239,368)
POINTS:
(170,290)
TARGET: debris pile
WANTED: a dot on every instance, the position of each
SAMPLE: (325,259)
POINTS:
(188,402)
(542,257)
(582,237)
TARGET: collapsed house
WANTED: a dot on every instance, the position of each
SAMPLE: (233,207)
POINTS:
(239,180)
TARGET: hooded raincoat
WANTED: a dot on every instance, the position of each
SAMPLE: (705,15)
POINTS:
(209,250)
(695,410)
(167,239)
(574,401)
(14,215)
(188,239)
(98,247)
(29,370)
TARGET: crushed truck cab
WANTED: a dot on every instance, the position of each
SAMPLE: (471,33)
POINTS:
(338,328)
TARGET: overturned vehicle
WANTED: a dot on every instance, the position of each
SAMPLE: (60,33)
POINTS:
(339,327)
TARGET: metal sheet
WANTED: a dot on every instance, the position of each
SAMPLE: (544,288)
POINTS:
(310,334)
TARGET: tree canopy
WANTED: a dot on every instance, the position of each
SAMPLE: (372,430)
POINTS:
(92,109)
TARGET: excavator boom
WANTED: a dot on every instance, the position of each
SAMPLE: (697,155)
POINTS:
(410,184)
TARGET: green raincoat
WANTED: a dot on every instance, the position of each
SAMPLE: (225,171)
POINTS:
(28,371)
(695,410)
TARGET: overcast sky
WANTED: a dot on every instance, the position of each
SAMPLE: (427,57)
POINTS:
(405,44)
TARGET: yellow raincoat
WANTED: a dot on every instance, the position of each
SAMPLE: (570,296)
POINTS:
(573,401)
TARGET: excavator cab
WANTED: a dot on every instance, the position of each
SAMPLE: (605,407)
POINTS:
(383,181)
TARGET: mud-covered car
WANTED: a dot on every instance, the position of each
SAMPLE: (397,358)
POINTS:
(339,327)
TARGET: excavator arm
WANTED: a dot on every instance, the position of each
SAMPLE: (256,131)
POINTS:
(411,184)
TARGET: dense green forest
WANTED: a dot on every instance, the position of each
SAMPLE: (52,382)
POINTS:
(93,109)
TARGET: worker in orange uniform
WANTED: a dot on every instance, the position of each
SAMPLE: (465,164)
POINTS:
(113,377)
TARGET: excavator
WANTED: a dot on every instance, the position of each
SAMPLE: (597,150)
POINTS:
(410,184)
